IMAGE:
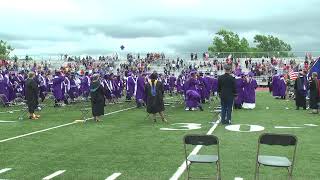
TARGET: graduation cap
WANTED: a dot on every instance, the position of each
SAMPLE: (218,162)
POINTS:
(122,47)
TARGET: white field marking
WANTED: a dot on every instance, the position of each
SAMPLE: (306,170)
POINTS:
(238,178)
(312,125)
(63,125)
(57,173)
(287,127)
(1,121)
(4,170)
(183,166)
(9,111)
(113,176)
(107,114)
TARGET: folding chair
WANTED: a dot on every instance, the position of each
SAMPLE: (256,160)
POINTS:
(203,140)
(276,161)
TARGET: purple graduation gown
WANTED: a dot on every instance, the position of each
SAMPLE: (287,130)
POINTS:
(85,86)
(275,85)
(249,91)
(192,95)
(282,88)
(140,89)
(239,88)
(130,86)
(4,89)
(172,82)
(58,87)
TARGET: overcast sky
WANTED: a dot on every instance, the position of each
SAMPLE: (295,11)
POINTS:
(172,26)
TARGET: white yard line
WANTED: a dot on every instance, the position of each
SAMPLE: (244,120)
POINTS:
(63,125)
(183,166)
(1,121)
(238,178)
(57,173)
(287,127)
(3,112)
(113,176)
(5,170)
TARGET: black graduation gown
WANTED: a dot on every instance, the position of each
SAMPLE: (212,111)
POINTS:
(97,98)
(155,103)
(314,96)
(31,93)
(300,96)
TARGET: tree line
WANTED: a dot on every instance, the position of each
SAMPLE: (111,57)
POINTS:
(226,42)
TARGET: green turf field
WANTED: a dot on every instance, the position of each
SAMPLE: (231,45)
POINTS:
(128,143)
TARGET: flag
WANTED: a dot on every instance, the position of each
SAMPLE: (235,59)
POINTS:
(293,75)
(315,68)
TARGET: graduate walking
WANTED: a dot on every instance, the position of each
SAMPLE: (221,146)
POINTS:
(154,92)
(32,95)
(97,93)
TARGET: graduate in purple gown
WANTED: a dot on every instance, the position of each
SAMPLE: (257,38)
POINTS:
(21,81)
(250,85)
(172,83)
(119,85)
(202,87)
(275,85)
(42,86)
(140,90)
(215,86)
(74,91)
(109,87)
(192,95)
(282,87)
(208,85)
(4,89)
(238,101)
(180,82)
(11,90)
(165,82)
(85,85)
(66,88)
(57,87)
(130,86)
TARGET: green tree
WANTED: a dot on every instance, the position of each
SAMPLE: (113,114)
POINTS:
(228,41)
(5,50)
(272,45)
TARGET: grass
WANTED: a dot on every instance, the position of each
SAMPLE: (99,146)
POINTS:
(128,143)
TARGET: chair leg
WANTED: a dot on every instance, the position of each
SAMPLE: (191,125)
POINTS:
(218,171)
(188,171)
(289,173)
(256,176)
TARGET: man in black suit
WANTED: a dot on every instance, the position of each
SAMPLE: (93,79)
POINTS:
(227,92)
